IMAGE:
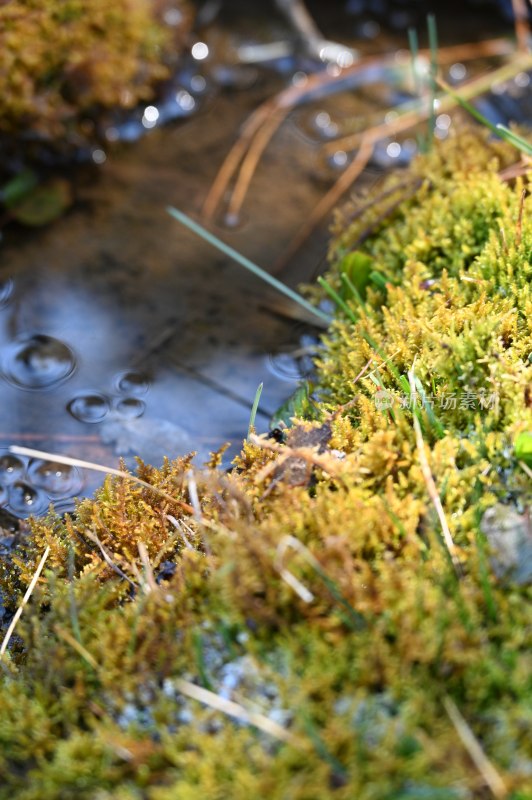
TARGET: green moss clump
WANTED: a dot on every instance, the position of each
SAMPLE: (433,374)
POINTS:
(315,590)
(60,61)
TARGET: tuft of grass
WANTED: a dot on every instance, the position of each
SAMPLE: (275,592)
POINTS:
(254,409)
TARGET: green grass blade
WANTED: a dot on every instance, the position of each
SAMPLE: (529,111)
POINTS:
(340,302)
(202,232)
(433,45)
(254,408)
(499,130)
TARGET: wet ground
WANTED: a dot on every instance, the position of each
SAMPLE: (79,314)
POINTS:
(121,333)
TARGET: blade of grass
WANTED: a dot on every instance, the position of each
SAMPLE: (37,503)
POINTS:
(254,408)
(499,130)
(337,299)
(213,240)
(433,45)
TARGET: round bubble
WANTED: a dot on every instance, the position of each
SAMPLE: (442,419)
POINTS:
(130,407)
(25,500)
(91,407)
(38,362)
(11,468)
(57,480)
(133,383)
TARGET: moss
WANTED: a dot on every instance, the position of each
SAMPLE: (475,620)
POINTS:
(62,61)
(315,590)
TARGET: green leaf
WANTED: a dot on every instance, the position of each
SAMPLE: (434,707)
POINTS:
(19,188)
(357,268)
(299,404)
(523,447)
(44,205)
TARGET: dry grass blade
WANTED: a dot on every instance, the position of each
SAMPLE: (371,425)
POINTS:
(25,599)
(526,469)
(233,159)
(77,462)
(516,170)
(473,747)
(290,542)
(77,646)
(237,711)
(150,582)
(431,486)
(194,497)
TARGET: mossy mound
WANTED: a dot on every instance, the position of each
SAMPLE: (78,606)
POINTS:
(307,631)
(62,61)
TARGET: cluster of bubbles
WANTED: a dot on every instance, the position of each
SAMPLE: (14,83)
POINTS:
(28,486)
(38,362)
(94,407)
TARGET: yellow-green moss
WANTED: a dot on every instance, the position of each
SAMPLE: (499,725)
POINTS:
(62,60)
(315,588)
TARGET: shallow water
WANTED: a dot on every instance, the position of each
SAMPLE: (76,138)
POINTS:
(122,334)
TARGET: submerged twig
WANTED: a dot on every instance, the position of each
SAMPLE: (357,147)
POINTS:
(267,118)
(328,202)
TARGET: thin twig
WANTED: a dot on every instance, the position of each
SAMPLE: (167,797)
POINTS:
(78,462)
(24,602)
(474,748)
